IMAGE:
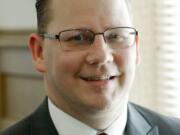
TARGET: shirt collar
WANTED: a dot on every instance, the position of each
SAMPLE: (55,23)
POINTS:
(67,125)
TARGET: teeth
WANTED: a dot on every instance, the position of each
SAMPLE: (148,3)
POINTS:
(96,78)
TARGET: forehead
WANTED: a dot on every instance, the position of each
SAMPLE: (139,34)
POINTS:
(89,13)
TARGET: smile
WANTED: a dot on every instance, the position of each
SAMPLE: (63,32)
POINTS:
(98,78)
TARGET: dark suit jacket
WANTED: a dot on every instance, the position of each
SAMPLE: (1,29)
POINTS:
(140,122)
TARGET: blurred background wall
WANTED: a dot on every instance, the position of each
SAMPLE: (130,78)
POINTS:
(17,14)
(155,85)
(21,87)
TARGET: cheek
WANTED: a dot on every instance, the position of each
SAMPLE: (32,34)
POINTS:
(68,63)
(126,61)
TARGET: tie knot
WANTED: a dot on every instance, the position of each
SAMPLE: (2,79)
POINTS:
(102,133)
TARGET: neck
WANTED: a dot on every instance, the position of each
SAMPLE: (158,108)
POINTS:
(100,120)
(104,119)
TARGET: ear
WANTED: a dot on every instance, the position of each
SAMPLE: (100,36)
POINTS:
(35,45)
(137,51)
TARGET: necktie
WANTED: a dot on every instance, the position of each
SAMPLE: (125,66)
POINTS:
(102,133)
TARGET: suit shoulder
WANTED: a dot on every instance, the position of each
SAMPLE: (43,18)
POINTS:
(20,128)
(164,123)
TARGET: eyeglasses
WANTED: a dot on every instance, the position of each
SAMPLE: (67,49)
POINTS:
(82,39)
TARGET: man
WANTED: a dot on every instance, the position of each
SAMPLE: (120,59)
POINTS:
(87,52)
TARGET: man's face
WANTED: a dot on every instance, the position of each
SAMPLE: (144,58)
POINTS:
(95,79)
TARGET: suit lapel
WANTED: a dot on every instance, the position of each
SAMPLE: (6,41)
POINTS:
(137,124)
(41,123)
(153,131)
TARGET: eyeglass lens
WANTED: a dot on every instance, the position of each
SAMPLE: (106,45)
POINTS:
(116,38)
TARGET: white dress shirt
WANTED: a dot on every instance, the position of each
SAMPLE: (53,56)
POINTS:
(68,125)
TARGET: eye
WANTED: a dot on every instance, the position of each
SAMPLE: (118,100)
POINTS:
(116,37)
(80,38)
(75,37)
(113,36)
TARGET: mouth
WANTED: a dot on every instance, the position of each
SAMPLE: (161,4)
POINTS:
(98,78)
(99,82)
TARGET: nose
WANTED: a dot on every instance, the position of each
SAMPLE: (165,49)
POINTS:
(99,53)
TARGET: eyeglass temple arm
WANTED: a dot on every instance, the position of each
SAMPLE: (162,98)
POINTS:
(49,36)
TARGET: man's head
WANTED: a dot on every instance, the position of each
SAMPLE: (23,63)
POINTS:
(94,80)
(43,9)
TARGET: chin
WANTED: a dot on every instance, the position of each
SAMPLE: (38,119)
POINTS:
(100,104)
